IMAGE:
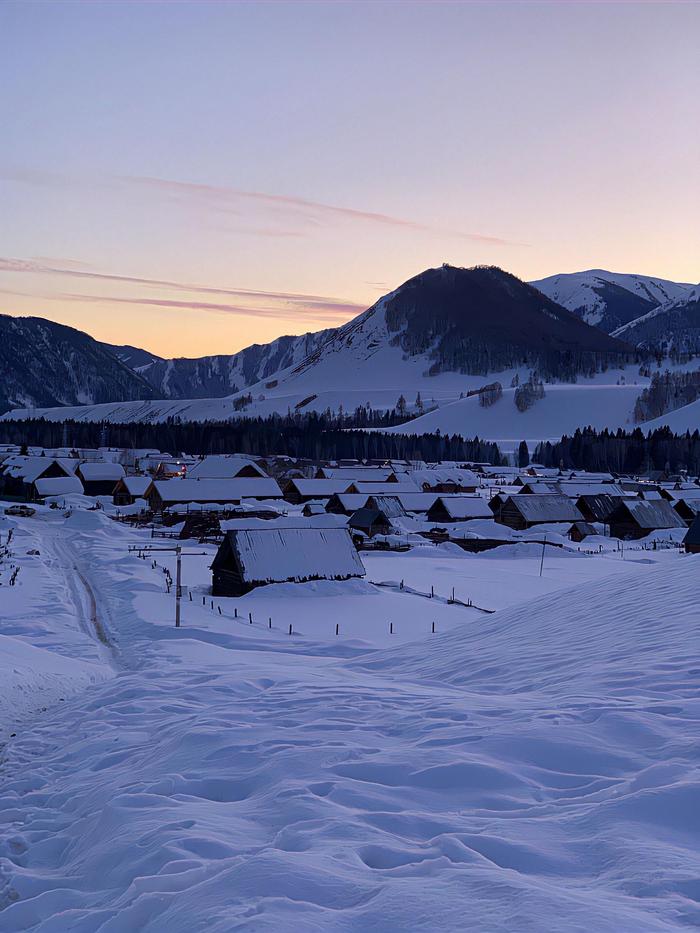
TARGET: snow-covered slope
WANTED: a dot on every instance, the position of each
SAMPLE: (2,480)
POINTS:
(210,376)
(672,326)
(564,408)
(609,300)
(44,363)
(536,770)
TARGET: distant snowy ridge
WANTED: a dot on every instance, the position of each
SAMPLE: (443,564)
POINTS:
(609,300)
(672,326)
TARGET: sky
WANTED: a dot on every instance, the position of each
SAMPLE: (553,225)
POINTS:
(196,177)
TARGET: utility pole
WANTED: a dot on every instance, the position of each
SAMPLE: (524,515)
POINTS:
(178,585)
(544,542)
(179,554)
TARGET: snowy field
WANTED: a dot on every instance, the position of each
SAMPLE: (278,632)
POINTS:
(530,769)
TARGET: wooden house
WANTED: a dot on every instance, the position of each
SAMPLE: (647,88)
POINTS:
(99,478)
(225,466)
(20,473)
(252,557)
(522,511)
(391,506)
(450,509)
(370,522)
(450,480)
(366,474)
(598,508)
(345,503)
(130,488)
(691,542)
(297,491)
(579,531)
(636,518)
(164,493)
(49,486)
(687,509)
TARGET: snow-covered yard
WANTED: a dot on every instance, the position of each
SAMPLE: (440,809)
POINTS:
(535,769)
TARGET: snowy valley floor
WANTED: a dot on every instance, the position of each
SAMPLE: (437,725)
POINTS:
(531,770)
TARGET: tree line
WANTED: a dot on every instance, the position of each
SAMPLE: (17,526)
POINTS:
(315,436)
(620,451)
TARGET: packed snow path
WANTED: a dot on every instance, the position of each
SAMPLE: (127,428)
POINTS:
(535,770)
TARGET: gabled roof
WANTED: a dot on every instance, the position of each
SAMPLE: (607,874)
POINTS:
(650,516)
(100,471)
(276,555)
(461,507)
(693,535)
(366,474)
(600,505)
(223,466)
(547,508)
(58,486)
(439,476)
(377,489)
(365,518)
(29,468)
(323,488)
(216,490)
(390,505)
(136,485)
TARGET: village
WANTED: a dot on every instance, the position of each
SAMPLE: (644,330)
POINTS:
(231,534)
(325,513)
(228,661)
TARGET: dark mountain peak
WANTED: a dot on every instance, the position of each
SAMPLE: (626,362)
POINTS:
(484,319)
(44,363)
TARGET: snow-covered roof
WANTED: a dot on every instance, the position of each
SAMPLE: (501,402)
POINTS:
(216,490)
(390,505)
(92,472)
(548,508)
(136,485)
(367,474)
(321,488)
(280,554)
(435,476)
(416,501)
(28,468)
(58,486)
(378,489)
(650,515)
(461,507)
(223,466)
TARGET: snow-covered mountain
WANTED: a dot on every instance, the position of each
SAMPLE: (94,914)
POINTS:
(609,300)
(671,327)
(225,374)
(473,321)
(43,363)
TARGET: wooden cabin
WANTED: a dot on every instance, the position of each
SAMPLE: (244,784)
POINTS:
(636,518)
(579,531)
(225,466)
(49,486)
(345,503)
(163,493)
(99,478)
(599,507)
(687,509)
(130,488)
(522,511)
(20,473)
(450,509)
(297,491)
(691,542)
(252,557)
(370,522)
